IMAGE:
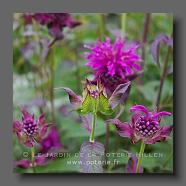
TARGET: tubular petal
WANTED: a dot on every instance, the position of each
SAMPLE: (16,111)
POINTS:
(140,108)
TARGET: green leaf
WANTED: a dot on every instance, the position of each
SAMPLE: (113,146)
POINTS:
(149,91)
(104,106)
(73,129)
(88,105)
(68,164)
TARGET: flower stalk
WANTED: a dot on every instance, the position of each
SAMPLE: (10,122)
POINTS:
(102,28)
(33,159)
(146,27)
(78,77)
(94,122)
(163,76)
(140,157)
(147,22)
(123,24)
(145,33)
(93,127)
(52,74)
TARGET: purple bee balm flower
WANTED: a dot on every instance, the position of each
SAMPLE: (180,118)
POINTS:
(55,22)
(132,165)
(114,64)
(144,126)
(30,131)
(51,142)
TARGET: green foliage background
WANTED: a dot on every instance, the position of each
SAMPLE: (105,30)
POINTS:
(70,71)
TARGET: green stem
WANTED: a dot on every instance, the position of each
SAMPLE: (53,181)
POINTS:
(94,122)
(52,74)
(163,76)
(123,24)
(93,127)
(145,33)
(102,29)
(140,157)
(146,28)
(36,29)
(78,77)
(33,159)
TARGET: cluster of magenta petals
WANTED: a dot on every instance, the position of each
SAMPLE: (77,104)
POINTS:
(55,22)
(149,115)
(49,145)
(30,131)
(55,19)
(51,142)
(114,64)
(112,59)
(144,126)
(30,126)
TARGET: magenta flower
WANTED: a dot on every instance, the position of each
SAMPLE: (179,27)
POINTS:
(49,146)
(51,142)
(55,22)
(132,165)
(30,131)
(144,126)
(114,64)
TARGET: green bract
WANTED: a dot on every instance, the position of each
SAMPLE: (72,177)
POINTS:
(100,104)
(95,100)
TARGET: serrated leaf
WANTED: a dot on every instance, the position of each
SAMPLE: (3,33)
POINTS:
(87,105)
(91,156)
(104,106)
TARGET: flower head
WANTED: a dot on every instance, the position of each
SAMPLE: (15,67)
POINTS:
(51,142)
(55,22)
(114,64)
(30,131)
(144,126)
